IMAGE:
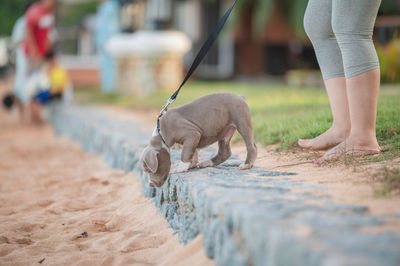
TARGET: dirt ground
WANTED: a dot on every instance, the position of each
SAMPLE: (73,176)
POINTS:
(62,206)
(346,183)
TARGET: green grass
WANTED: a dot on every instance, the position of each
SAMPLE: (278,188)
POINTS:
(280,114)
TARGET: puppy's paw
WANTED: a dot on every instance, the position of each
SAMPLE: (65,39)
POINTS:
(245,166)
(205,164)
(180,168)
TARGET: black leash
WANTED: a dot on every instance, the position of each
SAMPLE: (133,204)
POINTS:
(201,54)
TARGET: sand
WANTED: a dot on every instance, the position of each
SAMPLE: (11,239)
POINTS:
(62,206)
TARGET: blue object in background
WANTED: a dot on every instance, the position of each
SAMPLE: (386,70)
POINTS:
(43,96)
(107,26)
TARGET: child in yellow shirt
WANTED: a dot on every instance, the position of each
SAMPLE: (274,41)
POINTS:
(48,82)
(57,81)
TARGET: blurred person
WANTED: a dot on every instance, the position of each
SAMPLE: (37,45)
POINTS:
(341,33)
(39,28)
(35,85)
(21,63)
(45,84)
(107,26)
(39,41)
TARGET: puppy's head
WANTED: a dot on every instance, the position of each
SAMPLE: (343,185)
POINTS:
(156,161)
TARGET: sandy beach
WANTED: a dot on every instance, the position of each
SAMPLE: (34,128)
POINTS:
(62,206)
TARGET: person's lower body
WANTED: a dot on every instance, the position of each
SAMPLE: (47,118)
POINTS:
(21,110)
(36,104)
(337,93)
(35,109)
(21,75)
(34,100)
(341,33)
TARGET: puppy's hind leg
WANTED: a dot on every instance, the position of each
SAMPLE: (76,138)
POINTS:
(224,152)
(224,149)
(245,129)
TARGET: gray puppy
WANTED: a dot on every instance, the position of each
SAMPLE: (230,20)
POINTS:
(196,125)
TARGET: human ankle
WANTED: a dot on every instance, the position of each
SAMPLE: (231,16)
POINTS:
(340,130)
(362,140)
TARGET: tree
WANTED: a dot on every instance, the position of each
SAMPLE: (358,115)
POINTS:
(294,10)
(390,7)
(10,11)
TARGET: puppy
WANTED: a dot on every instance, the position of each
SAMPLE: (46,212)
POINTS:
(209,119)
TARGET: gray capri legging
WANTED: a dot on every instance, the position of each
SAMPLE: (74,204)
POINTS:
(341,33)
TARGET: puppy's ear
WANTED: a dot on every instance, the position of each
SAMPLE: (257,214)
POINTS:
(150,160)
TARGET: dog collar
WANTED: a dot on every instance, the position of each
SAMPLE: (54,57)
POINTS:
(158,129)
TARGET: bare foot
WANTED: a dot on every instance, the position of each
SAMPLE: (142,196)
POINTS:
(349,148)
(326,140)
(244,166)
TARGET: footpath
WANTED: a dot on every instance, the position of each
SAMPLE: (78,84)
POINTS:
(254,217)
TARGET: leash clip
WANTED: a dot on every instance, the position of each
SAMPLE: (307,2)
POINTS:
(165,107)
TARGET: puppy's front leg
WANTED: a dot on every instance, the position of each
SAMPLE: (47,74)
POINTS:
(195,160)
(181,167)
(189,154)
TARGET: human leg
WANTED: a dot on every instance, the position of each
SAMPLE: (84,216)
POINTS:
(21,110)
(363,93)
(34,112)
(21,74)
(317,23)
(336,90)
(353,23)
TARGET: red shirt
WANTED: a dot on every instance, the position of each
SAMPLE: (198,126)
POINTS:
(41,21)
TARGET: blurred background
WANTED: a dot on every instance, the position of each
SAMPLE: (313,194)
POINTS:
(263,38)
(126,57)
(134,53)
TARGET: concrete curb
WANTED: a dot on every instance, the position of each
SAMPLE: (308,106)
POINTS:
(245,217)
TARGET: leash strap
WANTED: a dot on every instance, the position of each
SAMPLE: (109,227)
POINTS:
(204,49)
(201,54)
